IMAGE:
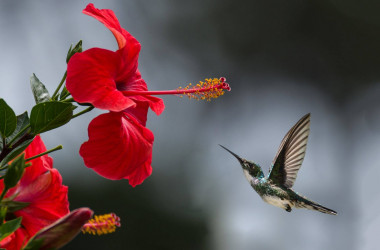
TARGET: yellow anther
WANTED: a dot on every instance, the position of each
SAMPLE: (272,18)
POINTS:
(102,224)
(205,90)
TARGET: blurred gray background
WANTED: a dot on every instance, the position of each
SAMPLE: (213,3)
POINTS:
(282,59)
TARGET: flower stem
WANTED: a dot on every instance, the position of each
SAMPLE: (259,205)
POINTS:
(69,100)
(44,153)
(65,95)
(59,86)
(83,112)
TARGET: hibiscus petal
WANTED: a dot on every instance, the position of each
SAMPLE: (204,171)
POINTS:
(140,174)
(140,112)
(108,18)
(91,79)
(156,104)
(40,164)
(47,199)
(118,147)
(16,240)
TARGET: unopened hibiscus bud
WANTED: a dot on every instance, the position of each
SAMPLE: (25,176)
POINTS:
(60,232)
(102,224)
(77,48)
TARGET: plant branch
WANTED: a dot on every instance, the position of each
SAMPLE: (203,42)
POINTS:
(59,86)
(83,112)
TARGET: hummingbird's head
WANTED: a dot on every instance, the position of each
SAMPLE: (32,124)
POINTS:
(252,168)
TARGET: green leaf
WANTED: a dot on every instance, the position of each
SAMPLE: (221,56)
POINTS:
(9,227)
(15,152)
(22,123)
(13,206)
(14,172)
(77,48)
(50,115)
(8,119)
(40,92)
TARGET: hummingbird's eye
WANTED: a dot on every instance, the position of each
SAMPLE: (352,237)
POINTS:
(247,165)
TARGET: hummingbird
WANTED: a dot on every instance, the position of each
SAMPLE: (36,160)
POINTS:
(276,189)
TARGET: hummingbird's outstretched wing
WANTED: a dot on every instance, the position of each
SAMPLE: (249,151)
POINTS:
(290,155)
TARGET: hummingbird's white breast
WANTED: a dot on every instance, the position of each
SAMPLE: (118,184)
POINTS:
(277,201)
(250,178)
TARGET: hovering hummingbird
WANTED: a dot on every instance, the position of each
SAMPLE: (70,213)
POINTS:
(276,188)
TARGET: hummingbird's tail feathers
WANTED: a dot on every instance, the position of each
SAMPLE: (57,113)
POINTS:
(320,208)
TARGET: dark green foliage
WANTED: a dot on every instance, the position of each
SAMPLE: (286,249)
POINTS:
(13,206)
(16,151)
(14,172)
(3,213)
(77,48)
(34,244)
(9,227)
(8,119)
(50,115)
(22,123)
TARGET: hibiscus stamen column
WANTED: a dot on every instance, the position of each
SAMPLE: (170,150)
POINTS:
(210,88)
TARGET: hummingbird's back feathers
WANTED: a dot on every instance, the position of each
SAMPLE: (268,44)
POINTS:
(291,153)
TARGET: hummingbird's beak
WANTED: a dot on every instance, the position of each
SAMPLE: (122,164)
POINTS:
(237,157)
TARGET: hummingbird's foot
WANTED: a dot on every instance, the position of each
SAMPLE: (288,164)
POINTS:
(288,208)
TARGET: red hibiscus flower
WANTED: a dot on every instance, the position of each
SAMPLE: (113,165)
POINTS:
(41,189)
(120,146)
(98,76)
